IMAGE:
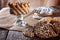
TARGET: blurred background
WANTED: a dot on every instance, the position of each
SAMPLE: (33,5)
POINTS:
(34,3)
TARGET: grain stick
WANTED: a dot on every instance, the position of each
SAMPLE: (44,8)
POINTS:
(14,11)
(14,6)
(25,9)
(18,6)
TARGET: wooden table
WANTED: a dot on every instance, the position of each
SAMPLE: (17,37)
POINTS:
(17,34)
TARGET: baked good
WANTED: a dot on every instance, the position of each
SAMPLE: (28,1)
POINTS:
(56,26)
(44,30)
(19,8)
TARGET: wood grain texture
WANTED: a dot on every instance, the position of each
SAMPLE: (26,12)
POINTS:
(3,34)
(15,35)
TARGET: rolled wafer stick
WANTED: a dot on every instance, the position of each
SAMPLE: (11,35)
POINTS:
(24,8)
(18,6)
(9,4)
(28,4)
(14,11)
(14,7)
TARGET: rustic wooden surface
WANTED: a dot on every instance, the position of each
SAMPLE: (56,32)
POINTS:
(17,35)
(3,34)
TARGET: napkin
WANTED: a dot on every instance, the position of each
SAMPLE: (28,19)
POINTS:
(6,19)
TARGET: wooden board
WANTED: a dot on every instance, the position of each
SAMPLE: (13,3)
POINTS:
(16,35)
(3,34)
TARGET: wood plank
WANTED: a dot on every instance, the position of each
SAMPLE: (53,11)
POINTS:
(3,34)
(15,35)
